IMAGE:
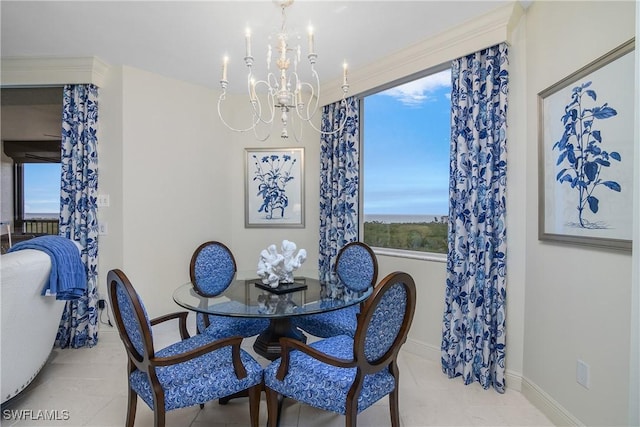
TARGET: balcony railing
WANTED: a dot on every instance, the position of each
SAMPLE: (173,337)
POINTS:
(40,226)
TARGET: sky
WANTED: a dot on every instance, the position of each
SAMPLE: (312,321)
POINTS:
(406,148)
(42,188)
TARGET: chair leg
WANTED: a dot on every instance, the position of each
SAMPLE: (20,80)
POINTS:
(351,419)
(273,407)
(254,404)
(159,409)
(131,408)
(159,417)
(351,413)
(394,408)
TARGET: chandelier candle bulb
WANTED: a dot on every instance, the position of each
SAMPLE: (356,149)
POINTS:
(344,73)
(311,39)
(225,60)
(269,57)
(248,41)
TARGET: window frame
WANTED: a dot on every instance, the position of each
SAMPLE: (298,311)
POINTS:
(20,223)
(399,253)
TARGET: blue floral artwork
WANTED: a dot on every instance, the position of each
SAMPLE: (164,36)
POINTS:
(274,183)
(582,157)
(586,145)
(273,172)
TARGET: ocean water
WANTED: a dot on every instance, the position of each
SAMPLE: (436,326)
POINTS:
(41,215)
(398,219)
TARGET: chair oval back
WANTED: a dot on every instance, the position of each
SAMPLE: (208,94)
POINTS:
(385,319)
(357,266)
(130,315)
(212,268)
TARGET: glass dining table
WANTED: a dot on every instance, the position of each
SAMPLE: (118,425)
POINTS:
(252,299)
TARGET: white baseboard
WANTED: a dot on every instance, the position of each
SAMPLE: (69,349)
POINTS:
(514,380)
(419,348)
(547,405)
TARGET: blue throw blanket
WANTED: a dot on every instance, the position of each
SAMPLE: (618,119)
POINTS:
(68,280)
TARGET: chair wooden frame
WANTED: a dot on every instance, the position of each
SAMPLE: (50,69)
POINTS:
(147,361)
(359,361)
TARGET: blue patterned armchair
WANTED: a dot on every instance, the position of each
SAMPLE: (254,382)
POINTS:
(190,372)
(357,269)
(212,270)
(343,374)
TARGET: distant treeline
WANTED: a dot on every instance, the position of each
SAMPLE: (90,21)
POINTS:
(413,236)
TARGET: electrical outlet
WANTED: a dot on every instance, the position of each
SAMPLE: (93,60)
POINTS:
(101,304)
(582,373)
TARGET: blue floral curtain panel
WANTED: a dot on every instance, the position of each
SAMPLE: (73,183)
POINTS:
(339,171)
(473,339)
(78,220)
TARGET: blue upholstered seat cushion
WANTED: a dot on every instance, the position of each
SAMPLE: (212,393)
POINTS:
(332,323)
(198,380)
(324,386)
(223,326)
(226,326)
(356,269)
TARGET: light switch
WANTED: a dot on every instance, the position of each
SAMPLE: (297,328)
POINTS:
(103,229)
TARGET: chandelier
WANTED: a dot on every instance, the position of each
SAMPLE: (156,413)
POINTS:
(283,92)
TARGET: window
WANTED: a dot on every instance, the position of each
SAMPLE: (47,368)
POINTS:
(36,185)
(37,188)
(406,145)
(41,190)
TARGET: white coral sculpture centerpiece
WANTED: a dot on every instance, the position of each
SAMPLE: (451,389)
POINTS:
(275,268)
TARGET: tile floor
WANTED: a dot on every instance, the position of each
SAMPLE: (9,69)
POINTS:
(88,387)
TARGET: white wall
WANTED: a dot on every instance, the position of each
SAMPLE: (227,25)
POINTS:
(577,299)
(167,177)
(110,176)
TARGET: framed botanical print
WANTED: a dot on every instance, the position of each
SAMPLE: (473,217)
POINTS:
(274,187)
(585,147)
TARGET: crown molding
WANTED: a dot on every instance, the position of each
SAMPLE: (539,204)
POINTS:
(481,32)
(29,71)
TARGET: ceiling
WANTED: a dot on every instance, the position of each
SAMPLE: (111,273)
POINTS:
(187,40)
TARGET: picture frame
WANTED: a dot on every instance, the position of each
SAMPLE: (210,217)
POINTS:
(585,154)
(274,188)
